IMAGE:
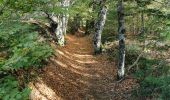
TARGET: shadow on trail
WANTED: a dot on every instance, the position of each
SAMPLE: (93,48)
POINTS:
(75,74)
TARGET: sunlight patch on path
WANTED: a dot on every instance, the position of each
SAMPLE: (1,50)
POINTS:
(59,63)
(74,73)
(87,62)
(83,56)
(40,91)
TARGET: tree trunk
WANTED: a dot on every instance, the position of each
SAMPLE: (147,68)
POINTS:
(59,31)
(56,28)
(138,24)
(87,27)
(76,24)
(65,4)
(133,25)
(98,29)
(62,22)
(142,24)
(121,32)
(64,26)
(53,26)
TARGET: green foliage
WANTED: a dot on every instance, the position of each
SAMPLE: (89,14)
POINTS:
(81,7)
(154,80)
(143,2)
(29,5)
(23,46)
(9,89)
(132,52)
(165,32)
(24,49)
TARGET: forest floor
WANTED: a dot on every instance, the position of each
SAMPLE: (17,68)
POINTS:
(74,73)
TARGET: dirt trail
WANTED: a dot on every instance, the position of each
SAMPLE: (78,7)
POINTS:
(76,74)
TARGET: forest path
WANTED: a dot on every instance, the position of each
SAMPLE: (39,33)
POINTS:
(76,74)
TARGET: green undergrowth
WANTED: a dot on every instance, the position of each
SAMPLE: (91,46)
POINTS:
(23,49)
(9,89)
(152,74)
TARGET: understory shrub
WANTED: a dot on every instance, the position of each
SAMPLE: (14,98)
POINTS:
(152,75)
(132,52)
(154,79)
(23,48)
(9,89)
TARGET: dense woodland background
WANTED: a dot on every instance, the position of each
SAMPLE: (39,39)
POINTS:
(133,34)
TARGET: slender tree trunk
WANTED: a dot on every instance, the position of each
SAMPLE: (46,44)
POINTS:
(99,28)
(76,24)
(138,24)
(142,23)
(62,22)
(59,31)
(121,32)
(65,4)
(87,27)
(90,23)
(64,26)
(134,28)
(143,29)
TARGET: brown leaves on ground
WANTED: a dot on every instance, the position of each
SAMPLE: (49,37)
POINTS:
(76,74)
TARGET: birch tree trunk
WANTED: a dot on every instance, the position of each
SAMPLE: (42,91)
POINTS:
(59,32)
(121,32)
(98,29)
(65,4)
(56,28)
(62,22)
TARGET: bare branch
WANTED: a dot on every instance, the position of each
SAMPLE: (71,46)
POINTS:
(136,62)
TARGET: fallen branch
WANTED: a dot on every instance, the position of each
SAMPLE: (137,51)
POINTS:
(136,62)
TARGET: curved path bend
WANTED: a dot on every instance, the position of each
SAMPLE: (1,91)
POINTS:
(76,74)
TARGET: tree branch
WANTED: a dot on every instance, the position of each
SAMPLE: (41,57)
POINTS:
(136,62)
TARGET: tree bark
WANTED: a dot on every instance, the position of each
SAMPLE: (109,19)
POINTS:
(133,25)
(53,26)
(59,31)
(65,4)
(56,28)
(142,23)
(121,32)
(99,28)
(62,20)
